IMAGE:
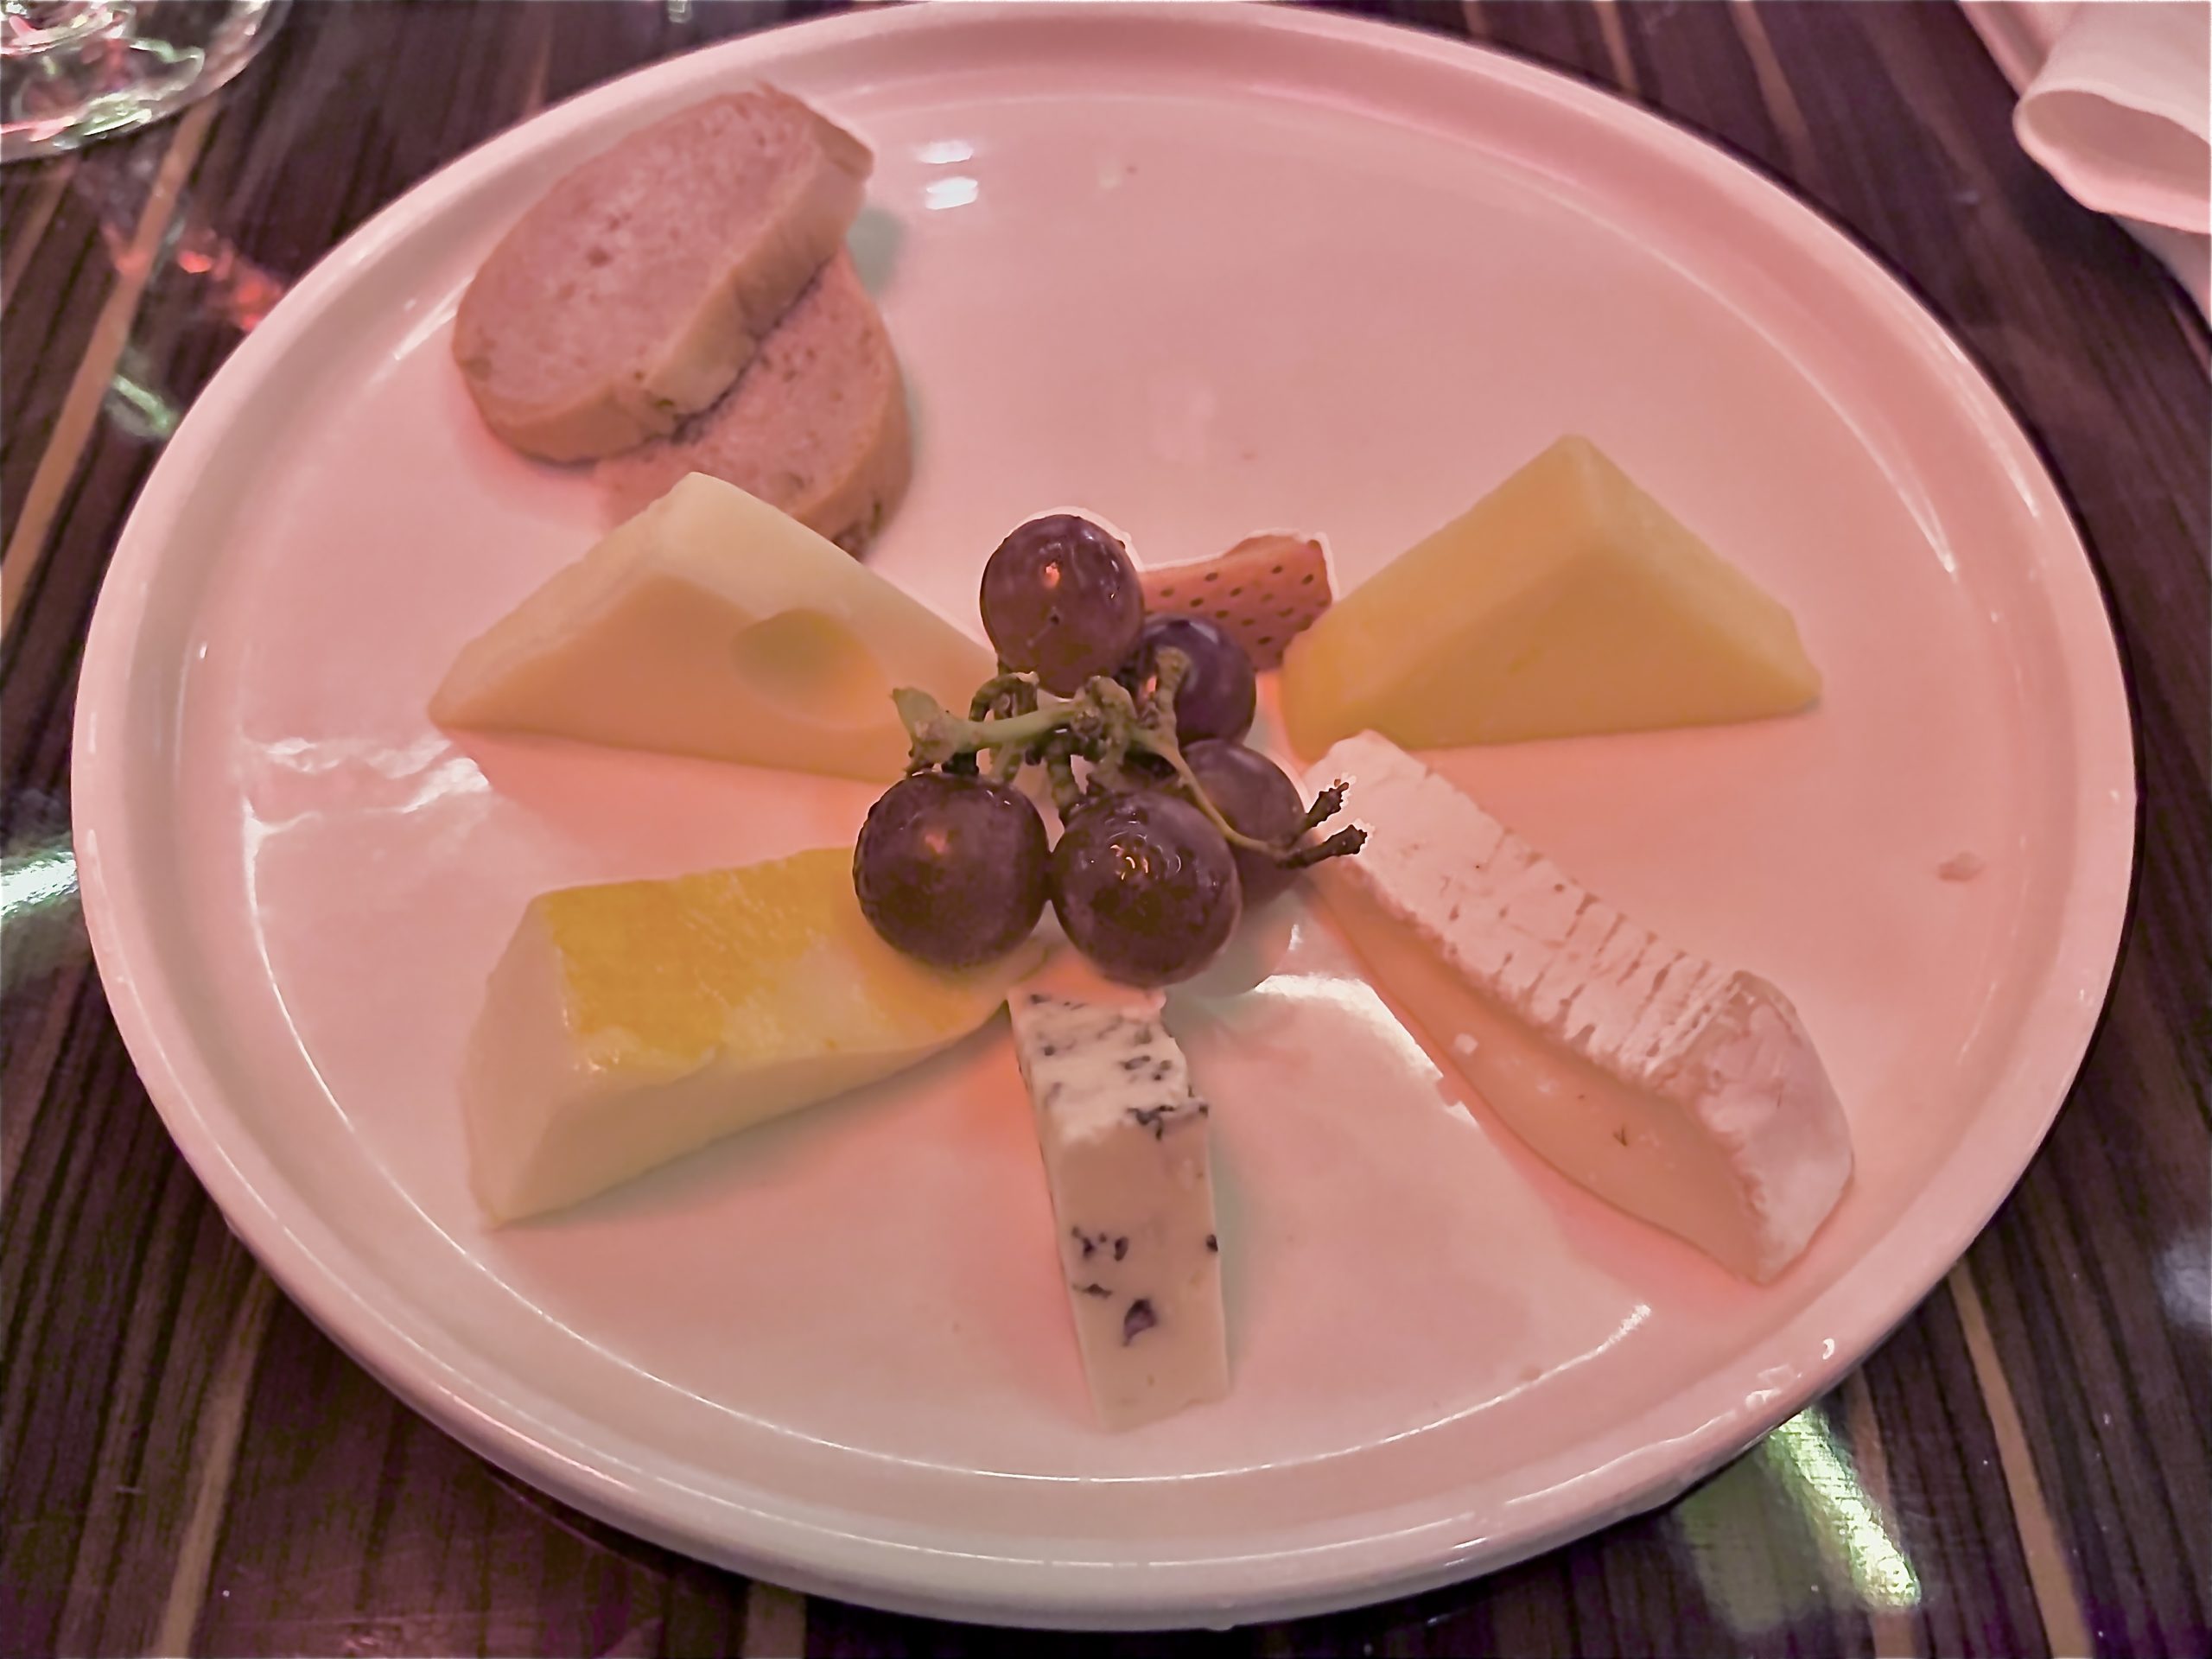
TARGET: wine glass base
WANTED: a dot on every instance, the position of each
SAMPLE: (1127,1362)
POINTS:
(164,59)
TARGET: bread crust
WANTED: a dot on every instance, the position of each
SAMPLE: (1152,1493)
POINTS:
(818,425)
(713,340)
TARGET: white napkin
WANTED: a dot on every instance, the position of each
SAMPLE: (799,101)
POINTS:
(2116,103)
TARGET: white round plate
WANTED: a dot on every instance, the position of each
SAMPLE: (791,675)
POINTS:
(1208,270)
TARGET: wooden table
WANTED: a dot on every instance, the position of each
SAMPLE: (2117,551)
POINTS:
(188,1464)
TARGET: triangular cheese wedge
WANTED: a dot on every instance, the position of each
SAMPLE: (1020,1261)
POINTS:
(1564,601)
(712,625)
(1682,1090)
(630,1023)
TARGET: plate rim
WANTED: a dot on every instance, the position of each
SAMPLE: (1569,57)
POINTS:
(490,1415)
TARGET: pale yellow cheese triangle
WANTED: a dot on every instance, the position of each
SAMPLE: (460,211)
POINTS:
(712,625)
(629,1023)
(1564,601)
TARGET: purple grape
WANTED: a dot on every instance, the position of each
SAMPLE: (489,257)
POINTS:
(1145,886)
(1251,791)
(1218,693)
(1060,599)
(952,870)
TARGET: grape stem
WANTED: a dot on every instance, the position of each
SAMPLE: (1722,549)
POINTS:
(1016,721)
(938,735)
(1060,768)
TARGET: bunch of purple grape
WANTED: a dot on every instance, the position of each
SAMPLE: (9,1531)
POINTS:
(1170,828)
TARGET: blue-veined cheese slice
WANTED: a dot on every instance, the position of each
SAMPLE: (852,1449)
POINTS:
(1124,1142)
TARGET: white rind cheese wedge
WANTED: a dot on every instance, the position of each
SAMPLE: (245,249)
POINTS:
(712,625)
(1124,1144)
(1682,1091)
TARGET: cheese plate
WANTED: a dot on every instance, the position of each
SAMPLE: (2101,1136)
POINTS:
(1207,271)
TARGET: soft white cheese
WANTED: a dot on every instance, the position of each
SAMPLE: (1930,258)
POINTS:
(1124,1142)
(1684,1092)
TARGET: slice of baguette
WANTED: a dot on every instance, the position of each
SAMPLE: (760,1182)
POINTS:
(816,425)
(636,288)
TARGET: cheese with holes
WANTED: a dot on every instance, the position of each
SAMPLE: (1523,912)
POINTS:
(712,625)
(1680,1090)
(1124,1144)
(1564,601)
(631,1023)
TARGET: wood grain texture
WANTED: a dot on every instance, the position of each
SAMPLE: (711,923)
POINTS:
(2049,1572)
(99,364)
(188,1462)
(57,281)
